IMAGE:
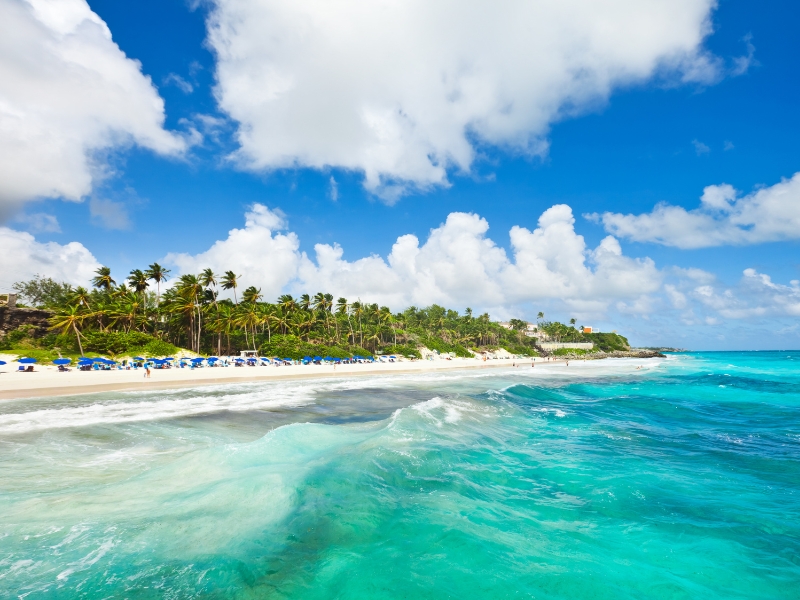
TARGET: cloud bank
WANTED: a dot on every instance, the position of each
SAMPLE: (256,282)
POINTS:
(769,214)
(456,265)
(67,92)
(405,91)
(22,257)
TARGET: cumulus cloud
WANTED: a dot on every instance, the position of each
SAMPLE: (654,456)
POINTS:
(724,217)
(406,91)
(22,257)
(756,295)
(257,252)
(457,265)
(67,92)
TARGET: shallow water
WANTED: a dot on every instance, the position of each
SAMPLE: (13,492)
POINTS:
(598,480)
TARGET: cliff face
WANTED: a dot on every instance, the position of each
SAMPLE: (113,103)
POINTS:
(11,318)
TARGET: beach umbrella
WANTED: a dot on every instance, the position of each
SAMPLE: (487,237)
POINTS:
(27,361)
(392,356)
(138,358)
(62,361)
(288,359)
(196,360)
(317,358)
(2,362)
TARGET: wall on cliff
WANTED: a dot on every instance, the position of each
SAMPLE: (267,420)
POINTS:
(12,318)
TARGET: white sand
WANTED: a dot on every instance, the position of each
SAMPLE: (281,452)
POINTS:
(48,381)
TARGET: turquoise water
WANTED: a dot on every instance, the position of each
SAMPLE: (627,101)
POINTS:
(599,480)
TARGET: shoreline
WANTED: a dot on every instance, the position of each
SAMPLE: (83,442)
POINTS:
(49,383)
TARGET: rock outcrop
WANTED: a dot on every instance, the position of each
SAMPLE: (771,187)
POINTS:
(12,318)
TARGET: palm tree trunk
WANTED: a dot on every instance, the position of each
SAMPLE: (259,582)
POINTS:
(78,335)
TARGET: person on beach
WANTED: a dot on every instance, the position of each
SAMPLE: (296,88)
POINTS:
(147,371)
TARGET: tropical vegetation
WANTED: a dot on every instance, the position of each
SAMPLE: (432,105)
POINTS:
(129,315)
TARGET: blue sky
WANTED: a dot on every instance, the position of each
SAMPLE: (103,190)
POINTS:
(661,137)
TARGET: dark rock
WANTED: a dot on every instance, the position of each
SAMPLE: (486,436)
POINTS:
(13,318)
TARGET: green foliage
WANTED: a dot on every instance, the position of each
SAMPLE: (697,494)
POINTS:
(443,347)
(520,349)
(290,346)
(43,292)
(120,342)
(608,342)
(115,342)
(156,347)
(571,352)
(19,334)
(518,324)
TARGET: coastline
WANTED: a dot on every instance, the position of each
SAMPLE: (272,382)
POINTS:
(47,382)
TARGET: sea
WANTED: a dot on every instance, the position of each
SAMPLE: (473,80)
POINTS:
(613,479)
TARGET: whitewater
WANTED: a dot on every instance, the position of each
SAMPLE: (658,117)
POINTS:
(673,478)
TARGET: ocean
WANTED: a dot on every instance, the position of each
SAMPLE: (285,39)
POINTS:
(673,478)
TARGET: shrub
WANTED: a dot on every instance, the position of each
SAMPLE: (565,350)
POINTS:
(157,347)
(115,342)
(443,347)
(608,342)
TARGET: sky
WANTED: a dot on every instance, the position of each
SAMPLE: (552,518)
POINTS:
(632,165)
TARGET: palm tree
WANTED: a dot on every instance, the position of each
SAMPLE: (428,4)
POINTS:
(287,303)
(230,281)
(207,278)
(138,281)
(68,318)
(251,295)
(158,274)
(103,279)
(342,309)
(81,296)
(304,302)
(358,312)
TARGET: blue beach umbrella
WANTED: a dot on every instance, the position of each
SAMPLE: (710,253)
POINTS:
(27,361)
(2,362)
(317,358)
(138,358)
(197,360)
(288,359)
(62,361)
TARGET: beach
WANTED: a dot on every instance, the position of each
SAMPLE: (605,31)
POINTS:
(48,381)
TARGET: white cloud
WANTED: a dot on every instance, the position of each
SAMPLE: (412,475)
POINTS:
(179,82)
(457,265)
(108,213)
(39,222)
(405,91)
(334,189)
(742,64)
(260,255)
(700,148)
(22,257)
(768,214)
(67,92)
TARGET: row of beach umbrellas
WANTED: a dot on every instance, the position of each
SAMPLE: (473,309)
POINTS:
(85,361)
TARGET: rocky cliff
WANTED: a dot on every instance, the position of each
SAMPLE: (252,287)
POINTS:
(12,318)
